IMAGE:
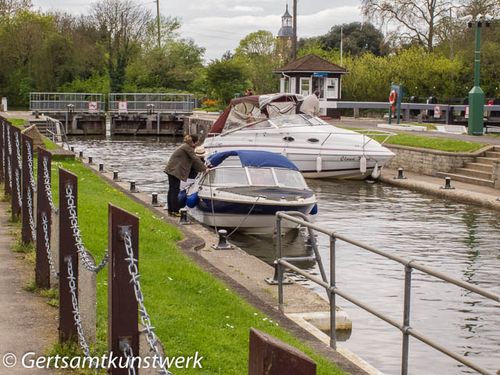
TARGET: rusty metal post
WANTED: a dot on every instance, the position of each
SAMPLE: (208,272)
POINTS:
(2,150)
(122,303)
(15,133)
(42,268)
(67,252)
(7,165)
(27,191)
(270,356)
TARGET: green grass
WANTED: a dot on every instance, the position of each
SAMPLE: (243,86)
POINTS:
(191,310)
(18,122)
(422,141)
(433,143)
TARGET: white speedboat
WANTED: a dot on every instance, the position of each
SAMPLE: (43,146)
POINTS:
(244,190)
(273,123)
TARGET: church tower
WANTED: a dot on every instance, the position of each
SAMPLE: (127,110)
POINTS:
(285,36)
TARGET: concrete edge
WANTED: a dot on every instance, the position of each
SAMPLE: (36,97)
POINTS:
(301,320)
(192,243)
(456,194)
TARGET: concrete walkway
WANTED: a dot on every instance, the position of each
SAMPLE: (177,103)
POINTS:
(462,192)
(27,323)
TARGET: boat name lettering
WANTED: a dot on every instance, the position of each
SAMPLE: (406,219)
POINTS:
(349,158)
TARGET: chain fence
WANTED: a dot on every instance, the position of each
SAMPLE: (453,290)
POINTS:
(88,262)
(9,152)
(46,237)
(18,188)
(151,337)
(129,354)
(47,185)
(76,308)
(30,215)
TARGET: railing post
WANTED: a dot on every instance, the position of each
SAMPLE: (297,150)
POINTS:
(42,269)
(2,150)
(122,302)
(279,266)
(333,312)
(7,159)
(67,252)
(16,172)
(406,320)
(27,191)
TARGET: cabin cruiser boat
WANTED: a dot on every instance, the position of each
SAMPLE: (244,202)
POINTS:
(274,123)
(244,189)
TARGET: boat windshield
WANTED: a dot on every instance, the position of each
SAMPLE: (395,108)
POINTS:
(297,120)
(226,176)
(231,176)
(289,178)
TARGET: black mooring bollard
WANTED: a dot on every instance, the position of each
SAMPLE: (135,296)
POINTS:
(90,159)
(132,187)
(80,154)
(154,199)
(274,280)
(401,174)
(223,244)
(115,175)
(101,167)
(184,217)
(447,183)
(72,148)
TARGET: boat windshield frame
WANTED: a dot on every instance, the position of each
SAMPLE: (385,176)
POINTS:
(250,182)
(307,120)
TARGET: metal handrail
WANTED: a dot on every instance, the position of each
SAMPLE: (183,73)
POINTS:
(332,290)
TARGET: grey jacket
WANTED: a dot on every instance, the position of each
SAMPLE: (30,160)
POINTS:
(181,162)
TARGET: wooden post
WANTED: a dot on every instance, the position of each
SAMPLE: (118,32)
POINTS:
(16,172)
(2,150)
(42,269)
(269,356)
(67,252)
(122,303)
(27,191)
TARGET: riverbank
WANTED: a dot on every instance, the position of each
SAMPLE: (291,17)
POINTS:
(192,311)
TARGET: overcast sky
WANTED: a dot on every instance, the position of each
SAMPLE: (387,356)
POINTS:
(218,25)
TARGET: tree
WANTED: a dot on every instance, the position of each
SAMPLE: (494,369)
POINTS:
(257,53)
(225,79)
(476,7)
(416,20)
(123,26)
(9,8)
(173,66)
(357,38)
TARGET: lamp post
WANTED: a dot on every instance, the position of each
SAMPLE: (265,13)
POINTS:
(476,94)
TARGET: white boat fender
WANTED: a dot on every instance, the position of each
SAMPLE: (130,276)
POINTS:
(376,171)
(319,164)
(362,164)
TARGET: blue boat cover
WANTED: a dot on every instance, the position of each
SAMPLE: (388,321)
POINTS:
(250,158)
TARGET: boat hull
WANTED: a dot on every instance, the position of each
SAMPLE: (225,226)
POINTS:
(247,217)
(342,164)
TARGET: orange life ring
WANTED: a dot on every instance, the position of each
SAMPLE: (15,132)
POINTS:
(393,97)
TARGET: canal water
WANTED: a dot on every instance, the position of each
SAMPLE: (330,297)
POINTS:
(460,240)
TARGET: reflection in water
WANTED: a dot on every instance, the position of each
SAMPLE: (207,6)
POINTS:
(460,240)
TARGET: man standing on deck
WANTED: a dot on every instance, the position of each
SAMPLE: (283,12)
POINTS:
(310,105)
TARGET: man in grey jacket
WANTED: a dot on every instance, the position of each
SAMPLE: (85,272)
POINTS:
(178,167)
